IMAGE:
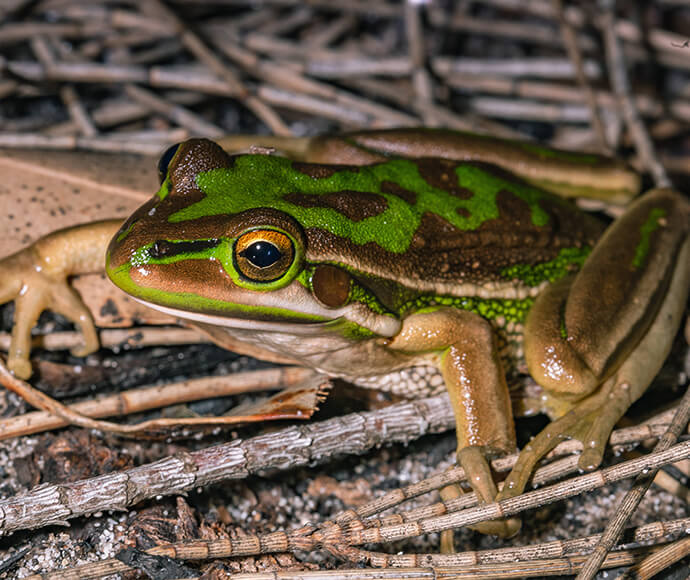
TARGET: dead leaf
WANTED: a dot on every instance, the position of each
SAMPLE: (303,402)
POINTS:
(43,191)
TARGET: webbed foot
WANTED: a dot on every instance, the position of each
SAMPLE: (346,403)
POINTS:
(36,278)
(24,279)
(590,421)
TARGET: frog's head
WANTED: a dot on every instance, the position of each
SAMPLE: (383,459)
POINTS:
(215,245)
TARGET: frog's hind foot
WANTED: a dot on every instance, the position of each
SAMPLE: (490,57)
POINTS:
(590,421)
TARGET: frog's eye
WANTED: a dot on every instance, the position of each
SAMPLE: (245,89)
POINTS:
(263,255)
(165,160)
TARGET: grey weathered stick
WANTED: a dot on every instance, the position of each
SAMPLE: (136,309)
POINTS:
(117,144)
(77,111)
(623,90)
(176,113)
(297,445)
(548,68)
(570,40)
(198,47)
(635,495)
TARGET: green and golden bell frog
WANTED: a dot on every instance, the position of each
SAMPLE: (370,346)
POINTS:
(409,260)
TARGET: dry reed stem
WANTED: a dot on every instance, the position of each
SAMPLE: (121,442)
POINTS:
(300,405)
(115,338)
(153,397)
(572,46)
(632,499)
(198,47)
(659,561)
(456,474)
(622,89)
(563,556)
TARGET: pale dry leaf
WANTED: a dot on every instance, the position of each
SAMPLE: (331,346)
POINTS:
(43,191)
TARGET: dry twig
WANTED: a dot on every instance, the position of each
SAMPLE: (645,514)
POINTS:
(634,496)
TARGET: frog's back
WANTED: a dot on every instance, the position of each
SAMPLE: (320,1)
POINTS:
(428,224)
(435,224)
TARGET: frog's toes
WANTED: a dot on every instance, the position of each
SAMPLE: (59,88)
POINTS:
(69,304)
(20,367)
(34,291)
(479,475)
(590,421)
(596,430)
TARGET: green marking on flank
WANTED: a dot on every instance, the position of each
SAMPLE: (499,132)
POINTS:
(650,225)
(263,181)
(164,190)
(567,261)
(492,309)
(563,329)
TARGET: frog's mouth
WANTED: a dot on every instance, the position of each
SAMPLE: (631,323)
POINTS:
(293,326)
(291,322)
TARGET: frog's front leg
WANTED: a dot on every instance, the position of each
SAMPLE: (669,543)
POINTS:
(36,278)
(477,387)
(596,344)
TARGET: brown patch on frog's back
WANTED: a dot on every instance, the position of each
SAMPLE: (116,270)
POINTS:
(354,205)
(150,221)
(318,171)
(193,157)
(514,226)
(440,173)
(441,253)
(340,149)
(393,188)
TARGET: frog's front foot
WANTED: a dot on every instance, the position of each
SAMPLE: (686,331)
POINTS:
(476,466)
(476,384)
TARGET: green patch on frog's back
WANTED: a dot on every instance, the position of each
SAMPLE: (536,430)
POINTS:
(266,181)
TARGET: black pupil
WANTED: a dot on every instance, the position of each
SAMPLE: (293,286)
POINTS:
(165,160)
(261,254)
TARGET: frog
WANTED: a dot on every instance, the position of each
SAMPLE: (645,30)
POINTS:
(414,261)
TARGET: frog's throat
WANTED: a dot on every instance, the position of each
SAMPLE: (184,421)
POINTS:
(381,325)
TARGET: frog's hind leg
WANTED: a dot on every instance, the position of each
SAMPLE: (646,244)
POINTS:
(599,373)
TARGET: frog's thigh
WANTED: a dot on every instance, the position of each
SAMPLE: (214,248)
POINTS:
(576,335)
(592,419)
